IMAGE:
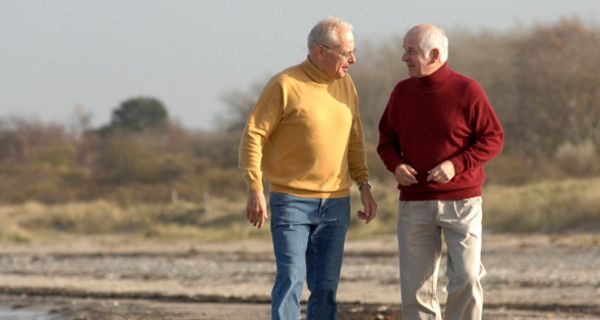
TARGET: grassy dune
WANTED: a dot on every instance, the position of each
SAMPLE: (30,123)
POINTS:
(571,205)
(545,207)
(35,222)
(548,207)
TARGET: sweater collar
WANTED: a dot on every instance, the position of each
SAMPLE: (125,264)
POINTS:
(314,73)
(437,78)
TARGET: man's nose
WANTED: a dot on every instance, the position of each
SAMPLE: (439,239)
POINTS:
(352,58)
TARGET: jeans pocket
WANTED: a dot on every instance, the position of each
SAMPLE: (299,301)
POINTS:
(277,200)
(289,210)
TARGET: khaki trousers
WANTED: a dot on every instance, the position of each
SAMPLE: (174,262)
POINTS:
(420,227)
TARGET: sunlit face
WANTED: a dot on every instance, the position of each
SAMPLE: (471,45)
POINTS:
(418,64)
(336,58)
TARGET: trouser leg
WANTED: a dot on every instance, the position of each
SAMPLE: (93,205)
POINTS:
(290,229)
(324,258)
(290,248)
(462,228)
(419,247)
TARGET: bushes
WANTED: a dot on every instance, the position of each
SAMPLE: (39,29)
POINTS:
(570,205)
(541,80)
(546,207)
(580,160)
(40,162)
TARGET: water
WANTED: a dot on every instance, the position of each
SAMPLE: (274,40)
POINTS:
(8,313)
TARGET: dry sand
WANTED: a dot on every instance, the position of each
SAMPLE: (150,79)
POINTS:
(529,277)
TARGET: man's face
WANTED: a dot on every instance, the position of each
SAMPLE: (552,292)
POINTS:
(418,64)
(338,57)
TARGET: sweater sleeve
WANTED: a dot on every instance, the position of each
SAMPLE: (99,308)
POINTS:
(357,159)
(263,119)
(488,135)
(389,149)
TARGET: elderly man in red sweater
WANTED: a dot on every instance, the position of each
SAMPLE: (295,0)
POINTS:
(437,132)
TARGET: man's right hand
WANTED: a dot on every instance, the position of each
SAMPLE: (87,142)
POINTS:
(405,175)
(256,208)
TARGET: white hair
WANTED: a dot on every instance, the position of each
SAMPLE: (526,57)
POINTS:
(433,37)
(325,32)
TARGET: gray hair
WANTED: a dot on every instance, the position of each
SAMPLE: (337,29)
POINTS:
(325,31)
(432,37)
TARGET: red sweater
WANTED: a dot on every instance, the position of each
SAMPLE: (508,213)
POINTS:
(443,116)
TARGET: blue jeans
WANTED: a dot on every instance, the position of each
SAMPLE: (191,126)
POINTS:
(308,238)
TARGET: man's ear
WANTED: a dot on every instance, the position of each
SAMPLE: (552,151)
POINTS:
(318,52)
(321,51)
(434,55)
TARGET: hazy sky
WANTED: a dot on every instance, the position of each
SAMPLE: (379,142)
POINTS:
(62,54)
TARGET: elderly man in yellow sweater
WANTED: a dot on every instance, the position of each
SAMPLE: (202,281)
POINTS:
(305,134)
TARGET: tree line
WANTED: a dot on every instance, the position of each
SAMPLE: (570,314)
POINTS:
(543,81)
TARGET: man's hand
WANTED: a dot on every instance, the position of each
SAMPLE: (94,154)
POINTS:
(405,175)
(369,206)
(256,208)
(442,173)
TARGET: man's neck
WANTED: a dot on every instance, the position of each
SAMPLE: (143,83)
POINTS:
(432,69)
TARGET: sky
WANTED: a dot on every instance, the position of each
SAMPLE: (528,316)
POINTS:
(65,55)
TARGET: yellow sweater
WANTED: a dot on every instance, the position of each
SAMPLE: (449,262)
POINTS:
(305,134)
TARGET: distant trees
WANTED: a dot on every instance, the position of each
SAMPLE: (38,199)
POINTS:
(139,156)
(543,81)
(21,139)
(545,86)
(137,114)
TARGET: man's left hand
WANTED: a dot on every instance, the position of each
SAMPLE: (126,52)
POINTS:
(369,206)
(442,173)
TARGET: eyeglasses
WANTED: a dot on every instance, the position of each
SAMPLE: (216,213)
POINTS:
(345,54)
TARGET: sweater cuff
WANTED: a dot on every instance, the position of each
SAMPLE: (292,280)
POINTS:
(253,180)
(393,165)
(459,164)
